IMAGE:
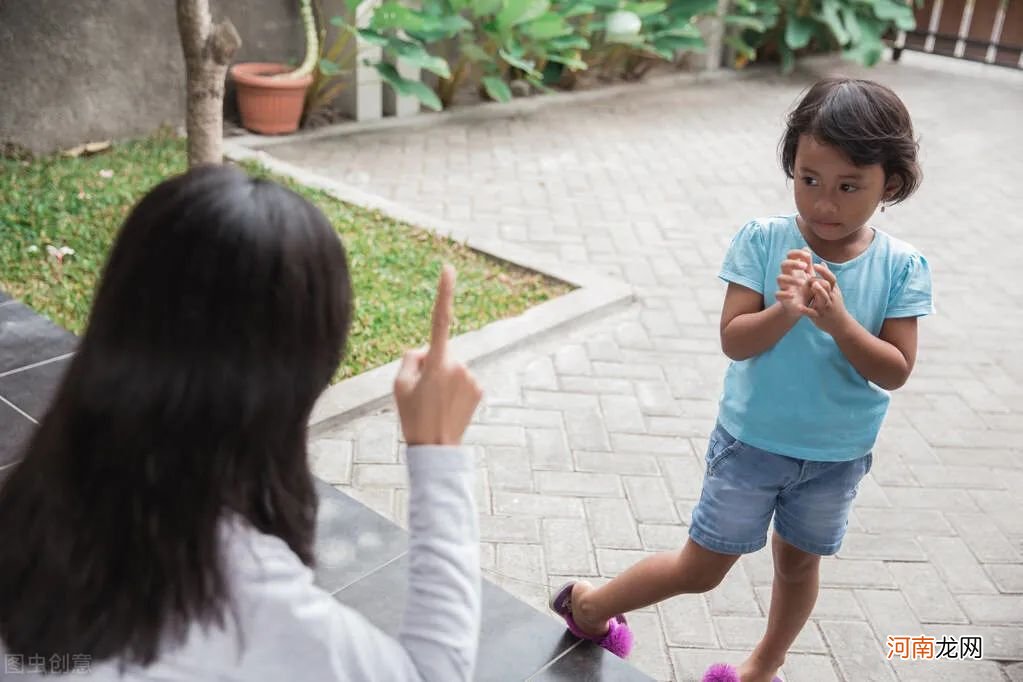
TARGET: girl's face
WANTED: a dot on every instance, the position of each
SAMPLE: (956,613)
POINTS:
(834,197)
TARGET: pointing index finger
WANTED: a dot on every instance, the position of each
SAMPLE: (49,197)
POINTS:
(442,313)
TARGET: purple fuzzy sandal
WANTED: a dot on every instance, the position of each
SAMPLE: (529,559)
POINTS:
(722,672)
(618,639)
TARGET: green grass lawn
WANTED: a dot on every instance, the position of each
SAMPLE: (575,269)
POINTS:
(80,203)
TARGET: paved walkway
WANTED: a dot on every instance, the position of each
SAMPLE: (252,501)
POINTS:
(590,445)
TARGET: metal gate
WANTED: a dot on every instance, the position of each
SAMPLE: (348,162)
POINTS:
(988,31)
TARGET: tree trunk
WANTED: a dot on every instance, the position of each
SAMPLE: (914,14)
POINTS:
(208,51)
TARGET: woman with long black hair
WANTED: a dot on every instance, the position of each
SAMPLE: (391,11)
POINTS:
(161,522)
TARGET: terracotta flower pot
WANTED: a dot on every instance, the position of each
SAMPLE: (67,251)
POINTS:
(269,106)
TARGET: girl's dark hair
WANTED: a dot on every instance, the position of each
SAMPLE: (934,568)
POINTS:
(221,315)
(866,120)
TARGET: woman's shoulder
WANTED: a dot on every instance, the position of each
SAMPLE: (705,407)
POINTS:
(267,581)
(252,557)
(289,625)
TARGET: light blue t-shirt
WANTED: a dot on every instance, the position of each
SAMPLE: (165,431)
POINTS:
(803,398)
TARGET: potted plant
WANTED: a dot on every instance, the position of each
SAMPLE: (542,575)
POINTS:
(270,95)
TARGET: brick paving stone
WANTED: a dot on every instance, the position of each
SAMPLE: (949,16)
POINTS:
(650,500)
(886,546)
(606,462)
(622,414)
(856,651)
(687,621)
(809,668)
(611,562)
(832,603)
(959,568)
(1000,609)
(509,468)
(331,460)
(744,633)
(652,657)
(662,537)
(986,540)
(579,484)
(1008,578)
(568,547)
(509,529)
(926,593)
(612,524)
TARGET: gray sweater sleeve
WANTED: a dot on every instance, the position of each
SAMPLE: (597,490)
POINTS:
(300,632)
(440,628)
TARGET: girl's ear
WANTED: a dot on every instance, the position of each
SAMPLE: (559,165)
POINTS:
(891,187)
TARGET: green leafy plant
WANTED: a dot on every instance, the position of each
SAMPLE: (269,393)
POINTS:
(394,28)
(788,27)
(543,41)
(495,43)
(502,41)
(404,33)
(626,38)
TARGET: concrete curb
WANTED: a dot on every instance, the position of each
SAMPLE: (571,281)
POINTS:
(369,391)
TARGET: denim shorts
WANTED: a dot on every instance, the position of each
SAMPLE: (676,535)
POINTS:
(744,486)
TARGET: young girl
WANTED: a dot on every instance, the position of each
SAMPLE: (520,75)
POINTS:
(820,321)
(161,523)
